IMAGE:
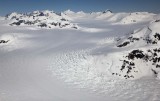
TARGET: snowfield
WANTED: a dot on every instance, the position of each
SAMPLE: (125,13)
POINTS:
(78,56)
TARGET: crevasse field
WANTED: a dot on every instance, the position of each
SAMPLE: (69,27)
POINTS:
(77,56)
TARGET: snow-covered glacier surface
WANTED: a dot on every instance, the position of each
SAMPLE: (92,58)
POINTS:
(78,56)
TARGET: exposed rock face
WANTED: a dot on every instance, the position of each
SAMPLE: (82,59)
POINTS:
(4,41)
(152,56)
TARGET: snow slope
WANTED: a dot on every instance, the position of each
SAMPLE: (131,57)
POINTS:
(136,17)
(143,55)
(103,60)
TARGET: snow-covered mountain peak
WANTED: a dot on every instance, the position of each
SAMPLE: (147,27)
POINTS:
(136,17)
(107,11)
(36,13)
(68,12)
(13,15)
(46,18)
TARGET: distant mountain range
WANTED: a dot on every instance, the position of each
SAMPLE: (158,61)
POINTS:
(43,19)
(51,19)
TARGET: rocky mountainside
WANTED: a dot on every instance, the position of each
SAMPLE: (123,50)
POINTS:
(144,52)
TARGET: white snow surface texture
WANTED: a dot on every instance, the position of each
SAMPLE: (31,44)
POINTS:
(78,56)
